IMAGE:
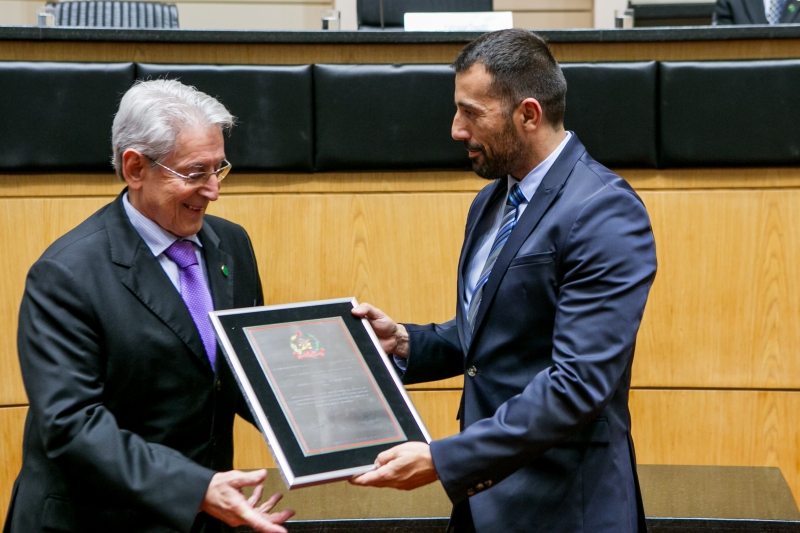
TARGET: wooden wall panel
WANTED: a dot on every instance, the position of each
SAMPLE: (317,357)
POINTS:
(714,427)
(724,308)
(250,450)
(12,425)
(395,251)
(553,20)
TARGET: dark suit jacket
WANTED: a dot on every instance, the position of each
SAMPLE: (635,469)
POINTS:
(752,12)
(547,445)
(127,421)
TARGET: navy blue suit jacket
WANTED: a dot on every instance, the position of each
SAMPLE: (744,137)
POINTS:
(546,444)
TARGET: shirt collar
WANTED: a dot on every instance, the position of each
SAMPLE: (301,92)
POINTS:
(154,236)
(531,181)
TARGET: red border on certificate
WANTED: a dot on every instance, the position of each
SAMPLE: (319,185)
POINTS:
(279,394)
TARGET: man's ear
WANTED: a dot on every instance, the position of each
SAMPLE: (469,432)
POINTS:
(133,163)
(532,116)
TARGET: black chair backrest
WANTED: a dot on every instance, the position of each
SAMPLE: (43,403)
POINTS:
(369,11)
(116,14)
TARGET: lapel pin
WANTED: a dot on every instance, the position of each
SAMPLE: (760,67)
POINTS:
(224,271)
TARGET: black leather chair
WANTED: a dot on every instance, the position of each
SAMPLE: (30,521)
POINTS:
(373,15)
(116,14)
(273,105)
(612,107)
(729,113)
(62,114)
(370,117)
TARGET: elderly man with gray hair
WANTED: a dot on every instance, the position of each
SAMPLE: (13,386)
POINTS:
(130,425)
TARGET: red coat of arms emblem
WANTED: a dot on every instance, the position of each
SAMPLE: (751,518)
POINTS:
(305,345)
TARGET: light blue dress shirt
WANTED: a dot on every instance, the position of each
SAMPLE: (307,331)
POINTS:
(158,240)
(528,185)
(483,245)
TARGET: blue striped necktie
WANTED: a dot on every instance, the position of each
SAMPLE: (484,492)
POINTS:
(515,198)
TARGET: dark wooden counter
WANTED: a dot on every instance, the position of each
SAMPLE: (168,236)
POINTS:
(677,499)
(638,35)
(302,47)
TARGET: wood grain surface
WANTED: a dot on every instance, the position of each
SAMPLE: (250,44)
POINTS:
(12,425)
(718,427)
(724,309)
(294,54)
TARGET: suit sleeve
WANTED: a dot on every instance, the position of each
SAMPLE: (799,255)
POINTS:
(434,353)
(59,341)
(607,267)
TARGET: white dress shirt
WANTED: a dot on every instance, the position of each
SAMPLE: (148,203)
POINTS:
(158,240)
(483,245)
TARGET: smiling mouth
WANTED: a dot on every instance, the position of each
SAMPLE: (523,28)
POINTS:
(194,208)
(473,150)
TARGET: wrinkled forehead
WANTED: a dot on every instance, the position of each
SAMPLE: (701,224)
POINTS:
(204,143)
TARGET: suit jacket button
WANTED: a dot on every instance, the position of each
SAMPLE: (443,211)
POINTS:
(219,384)
(470,492)
(488,483)
(480,487)
(472,371)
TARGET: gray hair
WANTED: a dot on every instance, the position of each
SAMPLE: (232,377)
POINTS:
(152,114)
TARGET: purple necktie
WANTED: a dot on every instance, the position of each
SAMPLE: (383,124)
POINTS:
(195,294)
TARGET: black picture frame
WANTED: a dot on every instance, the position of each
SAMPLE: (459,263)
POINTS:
(275,410)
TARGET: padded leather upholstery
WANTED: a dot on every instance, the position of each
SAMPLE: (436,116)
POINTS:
(393,10)
(737,113)
(58,115)
(612,108)
(115,14)
(274,106)
(385,117)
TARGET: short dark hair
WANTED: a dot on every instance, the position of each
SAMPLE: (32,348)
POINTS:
(521,66)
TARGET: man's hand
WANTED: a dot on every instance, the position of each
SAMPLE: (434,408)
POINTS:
(393,336)
(405,467)
(224,500)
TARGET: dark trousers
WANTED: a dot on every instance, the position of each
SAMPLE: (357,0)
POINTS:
(461,519)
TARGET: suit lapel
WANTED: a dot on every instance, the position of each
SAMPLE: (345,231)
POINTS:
(755,9)
(220,267)
(475,225)
(141,273)
(547,192)
(790,12)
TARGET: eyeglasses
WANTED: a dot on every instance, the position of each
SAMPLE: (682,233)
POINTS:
(198,178)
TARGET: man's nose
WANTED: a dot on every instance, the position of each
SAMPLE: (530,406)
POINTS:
(458,130)
(210,188)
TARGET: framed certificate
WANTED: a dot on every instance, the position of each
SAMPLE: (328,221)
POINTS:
(321,389)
